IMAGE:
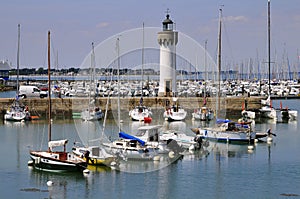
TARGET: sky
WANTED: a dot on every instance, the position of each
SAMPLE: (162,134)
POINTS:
(75,24)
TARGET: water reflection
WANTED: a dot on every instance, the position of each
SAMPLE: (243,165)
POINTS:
(148,166)
(62,183)
(89,132)
(227,151)
(179,126)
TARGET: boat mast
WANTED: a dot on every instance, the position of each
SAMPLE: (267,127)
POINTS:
(269,46)
(119,114)
(94,72)
(49,92)
(18,61)
(219,58)
(205,67)
(143,46)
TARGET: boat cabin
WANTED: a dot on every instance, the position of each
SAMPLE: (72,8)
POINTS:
(149,133)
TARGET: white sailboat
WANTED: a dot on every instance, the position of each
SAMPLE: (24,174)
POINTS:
(226,130)
(175,112)
(267,110)
(127,146)
(17,111)
(141,112)
(204,113)
(50,160)
(92,112)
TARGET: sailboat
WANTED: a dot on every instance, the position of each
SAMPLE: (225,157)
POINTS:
(128,147)
(92,112)
(226,130)
(17,111)
(141,112)
(50,160)
(204,113)
(94,154)
(175,112)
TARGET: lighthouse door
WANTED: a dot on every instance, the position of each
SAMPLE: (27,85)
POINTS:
(168,88)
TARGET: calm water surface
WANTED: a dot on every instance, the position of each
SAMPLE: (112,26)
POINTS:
(221,171)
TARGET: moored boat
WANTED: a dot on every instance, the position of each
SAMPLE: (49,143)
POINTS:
(50,160)
(129,147)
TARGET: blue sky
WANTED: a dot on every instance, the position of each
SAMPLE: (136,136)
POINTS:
(75,24)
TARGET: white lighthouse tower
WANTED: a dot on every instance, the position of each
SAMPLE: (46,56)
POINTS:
(167,40)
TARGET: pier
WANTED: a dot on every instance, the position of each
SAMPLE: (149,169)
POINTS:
(231,106)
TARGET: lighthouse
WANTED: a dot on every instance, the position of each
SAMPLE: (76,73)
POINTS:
(167,39)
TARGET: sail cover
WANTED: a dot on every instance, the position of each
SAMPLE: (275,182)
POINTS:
(127,136)
(57,143)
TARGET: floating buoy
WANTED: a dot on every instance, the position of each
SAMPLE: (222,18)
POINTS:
(113,165)
(147,119)
(171,154)
(156,158)
(86,171)
(192,148)
(30,163)
(269,139)
(49,183)
(255,140)
(250,147)
(34,117)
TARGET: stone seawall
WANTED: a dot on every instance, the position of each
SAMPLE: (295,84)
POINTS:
(66,106)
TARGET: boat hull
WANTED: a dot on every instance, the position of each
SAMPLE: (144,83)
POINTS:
(175,116)
(228,136)
(131,153)
(42,162)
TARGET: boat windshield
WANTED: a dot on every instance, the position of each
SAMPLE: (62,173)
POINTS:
(141,133)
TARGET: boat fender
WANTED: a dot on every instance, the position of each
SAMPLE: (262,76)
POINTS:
(37,160)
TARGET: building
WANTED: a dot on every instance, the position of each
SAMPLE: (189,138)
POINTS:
(167,39)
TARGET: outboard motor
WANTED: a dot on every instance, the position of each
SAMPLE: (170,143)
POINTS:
(174,146)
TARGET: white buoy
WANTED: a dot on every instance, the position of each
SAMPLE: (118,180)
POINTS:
(49,183)
(250,147)
(171,154)
(113,165)
(192,148)
(269,139)
(255,140)
(156,158)
(30,163)
(86,171)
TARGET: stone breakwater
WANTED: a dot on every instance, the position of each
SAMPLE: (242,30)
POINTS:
(231,106)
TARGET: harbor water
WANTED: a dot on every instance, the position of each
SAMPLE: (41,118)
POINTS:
(220,171)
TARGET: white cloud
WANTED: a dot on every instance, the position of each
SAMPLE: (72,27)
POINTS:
(235,19)
(102,25)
